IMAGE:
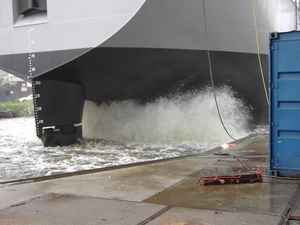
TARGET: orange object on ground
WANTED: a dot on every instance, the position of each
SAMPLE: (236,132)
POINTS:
(233,178)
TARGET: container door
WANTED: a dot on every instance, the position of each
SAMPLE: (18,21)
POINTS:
(285,104)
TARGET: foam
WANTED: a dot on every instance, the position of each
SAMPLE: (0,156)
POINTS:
(191,117)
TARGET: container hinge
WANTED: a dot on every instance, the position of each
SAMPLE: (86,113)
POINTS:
(274,85)
(274,123)
(274,47)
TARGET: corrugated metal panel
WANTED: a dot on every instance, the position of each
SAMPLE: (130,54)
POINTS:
(285,104)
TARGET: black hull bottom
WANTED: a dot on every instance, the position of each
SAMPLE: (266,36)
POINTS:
(108,74)
(58,111)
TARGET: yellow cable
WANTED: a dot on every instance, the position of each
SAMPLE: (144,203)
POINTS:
(258,54)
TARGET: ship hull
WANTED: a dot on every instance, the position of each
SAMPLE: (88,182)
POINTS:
(154,49)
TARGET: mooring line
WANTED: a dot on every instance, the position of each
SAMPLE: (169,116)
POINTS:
(258,54)
(211,74)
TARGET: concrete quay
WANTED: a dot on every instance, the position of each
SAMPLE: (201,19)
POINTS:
(164,192)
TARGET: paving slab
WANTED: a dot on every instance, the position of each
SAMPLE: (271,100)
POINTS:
(186,216)
(266,198)
(73,210)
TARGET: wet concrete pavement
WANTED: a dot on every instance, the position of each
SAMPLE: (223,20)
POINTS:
(165,193)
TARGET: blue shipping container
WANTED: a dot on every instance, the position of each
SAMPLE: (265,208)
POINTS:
(284,110)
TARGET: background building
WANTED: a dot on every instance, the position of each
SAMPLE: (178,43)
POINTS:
(12,88)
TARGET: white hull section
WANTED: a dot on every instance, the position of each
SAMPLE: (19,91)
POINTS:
(172,24)
(67,25)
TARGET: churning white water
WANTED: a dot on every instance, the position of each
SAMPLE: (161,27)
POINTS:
(191,117)
(126,132)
